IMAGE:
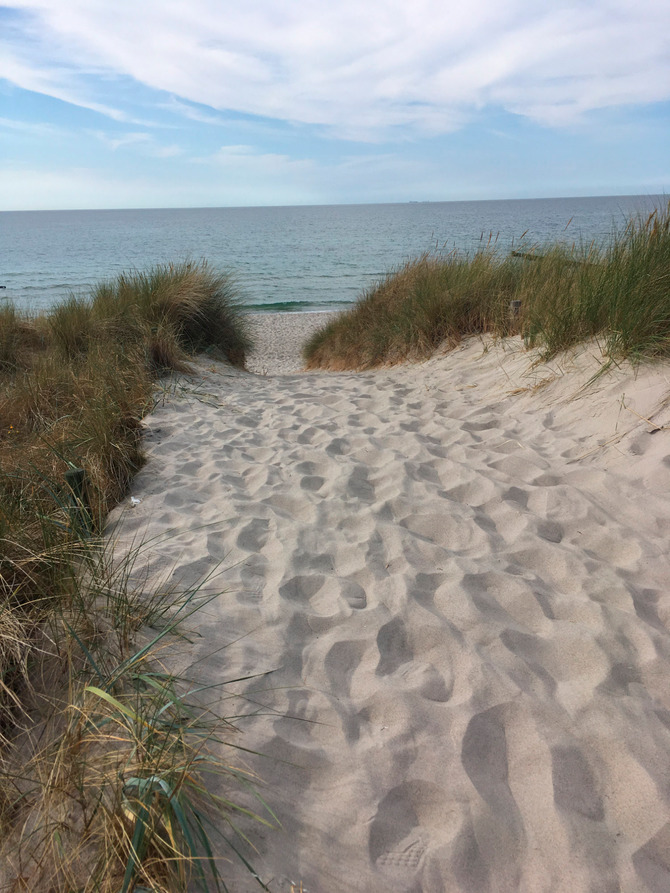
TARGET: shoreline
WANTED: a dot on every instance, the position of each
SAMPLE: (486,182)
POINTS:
(278,339)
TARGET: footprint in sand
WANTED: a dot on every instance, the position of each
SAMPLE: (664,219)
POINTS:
(312,483)
(353,594)
(341,662)
(427,681)
(393,647)
(401,830)
(301,588)
(253,536)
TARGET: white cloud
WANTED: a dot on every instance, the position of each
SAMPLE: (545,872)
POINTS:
(28,128)
(192,113)
(122,140)
(53,80)
(235,175)
(144,142)
(240,171)
(363,70)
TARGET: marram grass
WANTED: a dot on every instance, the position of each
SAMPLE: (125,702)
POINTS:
(119,784)
(104,755)
(618,292)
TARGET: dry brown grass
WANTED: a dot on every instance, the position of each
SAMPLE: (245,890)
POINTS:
(620,291)
(101,773)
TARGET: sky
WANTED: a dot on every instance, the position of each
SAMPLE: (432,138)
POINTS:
(212,103)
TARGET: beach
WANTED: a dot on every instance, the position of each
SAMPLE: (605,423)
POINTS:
(444,590)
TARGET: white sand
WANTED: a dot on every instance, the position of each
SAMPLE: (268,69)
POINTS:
(458,573)
(278,338)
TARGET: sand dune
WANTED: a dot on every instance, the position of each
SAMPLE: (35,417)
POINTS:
(458,574)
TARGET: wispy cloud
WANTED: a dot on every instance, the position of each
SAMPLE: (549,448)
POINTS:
(51,80)
(196,102)
(193,113)
(379,70)
(144,142)
(121,141)
(30,128)
(248,167)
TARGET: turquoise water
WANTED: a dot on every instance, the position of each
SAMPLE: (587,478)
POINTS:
(291,258)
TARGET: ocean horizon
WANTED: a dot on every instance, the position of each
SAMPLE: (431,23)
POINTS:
(290,258)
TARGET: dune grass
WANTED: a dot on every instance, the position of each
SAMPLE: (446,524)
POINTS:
(619,292)
(103,753)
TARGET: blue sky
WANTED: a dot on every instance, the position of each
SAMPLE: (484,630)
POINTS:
(192,103)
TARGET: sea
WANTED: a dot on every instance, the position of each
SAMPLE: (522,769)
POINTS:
(305,258)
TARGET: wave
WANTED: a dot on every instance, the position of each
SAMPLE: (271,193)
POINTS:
(295,306)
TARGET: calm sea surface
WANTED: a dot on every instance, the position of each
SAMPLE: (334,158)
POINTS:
(295,258)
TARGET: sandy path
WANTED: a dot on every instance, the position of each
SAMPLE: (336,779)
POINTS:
(461,583)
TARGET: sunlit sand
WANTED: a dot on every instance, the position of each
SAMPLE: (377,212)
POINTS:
(457,577)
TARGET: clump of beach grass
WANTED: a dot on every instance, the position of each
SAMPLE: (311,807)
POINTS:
(199,306)
(112,781)
(415,308)
(103,752)
(554,296)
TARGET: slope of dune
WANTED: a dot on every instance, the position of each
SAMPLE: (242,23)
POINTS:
(450,583)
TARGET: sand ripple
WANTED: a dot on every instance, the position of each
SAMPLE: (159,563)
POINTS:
(463,598)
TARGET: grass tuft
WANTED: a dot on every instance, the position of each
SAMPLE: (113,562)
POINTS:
(200,308)
(103,754)
(564,295)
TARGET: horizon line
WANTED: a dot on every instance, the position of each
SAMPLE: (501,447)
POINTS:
(654,195)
